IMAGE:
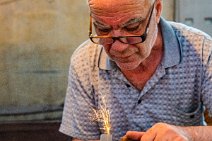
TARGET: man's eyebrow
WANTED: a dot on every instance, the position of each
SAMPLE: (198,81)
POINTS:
(132,21)
(101,24)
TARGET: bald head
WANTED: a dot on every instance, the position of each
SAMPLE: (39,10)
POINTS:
(116,6)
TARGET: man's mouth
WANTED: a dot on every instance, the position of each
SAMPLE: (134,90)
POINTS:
(122,58)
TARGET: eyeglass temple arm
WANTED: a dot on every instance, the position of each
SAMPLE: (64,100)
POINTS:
(147,29)
(90,28)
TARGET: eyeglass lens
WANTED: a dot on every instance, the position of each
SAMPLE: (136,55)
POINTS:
(111,40)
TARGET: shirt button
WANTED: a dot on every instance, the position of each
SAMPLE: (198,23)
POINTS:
(192,116)
(127,85)
(139,101)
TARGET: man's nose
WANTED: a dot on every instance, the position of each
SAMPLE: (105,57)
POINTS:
(116,33)
(117,45)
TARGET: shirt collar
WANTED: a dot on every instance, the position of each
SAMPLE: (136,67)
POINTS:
(171,49)
(171,45)
(105,62)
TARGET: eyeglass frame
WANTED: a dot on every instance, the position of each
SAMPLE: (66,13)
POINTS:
(143,36)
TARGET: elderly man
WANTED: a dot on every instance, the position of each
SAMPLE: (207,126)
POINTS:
(149,77)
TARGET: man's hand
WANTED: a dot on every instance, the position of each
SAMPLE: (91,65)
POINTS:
(159,132)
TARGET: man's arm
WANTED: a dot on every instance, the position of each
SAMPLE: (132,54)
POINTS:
(166,132)
(199,133)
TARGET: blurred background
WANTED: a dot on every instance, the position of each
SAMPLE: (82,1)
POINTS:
(37,38)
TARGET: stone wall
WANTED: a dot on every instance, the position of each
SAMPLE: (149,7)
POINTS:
(37,38)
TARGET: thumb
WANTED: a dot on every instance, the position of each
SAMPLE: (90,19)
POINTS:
(134,135)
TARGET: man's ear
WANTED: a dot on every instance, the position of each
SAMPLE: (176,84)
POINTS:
(158,7)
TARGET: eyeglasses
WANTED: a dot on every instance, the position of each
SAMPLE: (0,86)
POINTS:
(131,39)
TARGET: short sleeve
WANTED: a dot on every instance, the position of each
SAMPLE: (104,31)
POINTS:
(79,102)
(207,75)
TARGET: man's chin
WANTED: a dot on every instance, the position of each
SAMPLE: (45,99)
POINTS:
(127,66)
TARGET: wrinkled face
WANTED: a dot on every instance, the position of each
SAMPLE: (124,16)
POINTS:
(122,18)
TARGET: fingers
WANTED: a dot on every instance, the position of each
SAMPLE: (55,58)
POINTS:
(124,138)
(134,135)
(159,132)
(150,135)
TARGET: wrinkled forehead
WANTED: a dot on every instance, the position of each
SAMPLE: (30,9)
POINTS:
(114,7)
